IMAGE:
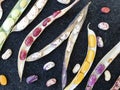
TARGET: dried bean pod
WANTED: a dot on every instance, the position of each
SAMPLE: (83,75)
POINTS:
(59,40)
(92,44)
(3,80)
(51,82)
(116,85)
(102,65)
(31,79)
(1,10)
(64,1)
(7,54)
(31,15)
(12,18)
(30,38)
(48,66)
(71,41)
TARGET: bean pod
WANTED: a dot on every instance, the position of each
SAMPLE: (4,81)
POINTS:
(102,65)
(31,15)
(35,33)
(92,44)
(58,41)
(71,41)
(12,18)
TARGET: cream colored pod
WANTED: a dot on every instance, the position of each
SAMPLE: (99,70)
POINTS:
(64,1)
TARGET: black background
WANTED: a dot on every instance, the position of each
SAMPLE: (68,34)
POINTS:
(14,41)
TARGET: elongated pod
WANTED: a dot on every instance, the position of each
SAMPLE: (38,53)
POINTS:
(71,42)
(31,15)
(102,65)
(12,18)
(61,38)
(87,62)
(35,33)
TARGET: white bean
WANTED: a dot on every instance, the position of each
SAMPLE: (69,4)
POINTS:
(7,54)
(100,42)
(51,82)
(107,75)
(76,68)
(49,65)
(103,26)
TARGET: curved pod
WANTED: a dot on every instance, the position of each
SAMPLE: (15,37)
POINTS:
(87,62)
(35,33)
(31,15)
(102,65)
(71,42)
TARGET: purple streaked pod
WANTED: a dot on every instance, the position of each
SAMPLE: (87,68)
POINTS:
(102,65)
(35,33)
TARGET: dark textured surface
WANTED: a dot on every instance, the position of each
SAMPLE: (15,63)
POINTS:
(110,37)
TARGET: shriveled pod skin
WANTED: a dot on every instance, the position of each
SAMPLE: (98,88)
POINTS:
(71,41)
(64,1)
(59,40)
(35,33)
(116,85)
(1,10)
(102,65)
(31,15)
(92,44)
(12,18)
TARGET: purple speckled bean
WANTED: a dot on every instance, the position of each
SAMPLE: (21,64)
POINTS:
(31,79)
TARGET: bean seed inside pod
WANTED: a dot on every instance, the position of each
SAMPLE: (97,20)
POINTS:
(31,79)
(7,54)
(49,66)
(100,42)
(76,68)
(103,26)
(51,82)
(107,75)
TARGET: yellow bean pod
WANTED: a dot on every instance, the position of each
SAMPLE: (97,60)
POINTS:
(87,62)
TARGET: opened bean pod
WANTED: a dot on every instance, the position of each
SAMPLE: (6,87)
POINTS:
(102,65)
(35,33)
(92,44)
(31,15)
(58,41)
(12,18)
(71,41)
(1,10)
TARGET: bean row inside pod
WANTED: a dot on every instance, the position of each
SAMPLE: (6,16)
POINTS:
(11,19)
